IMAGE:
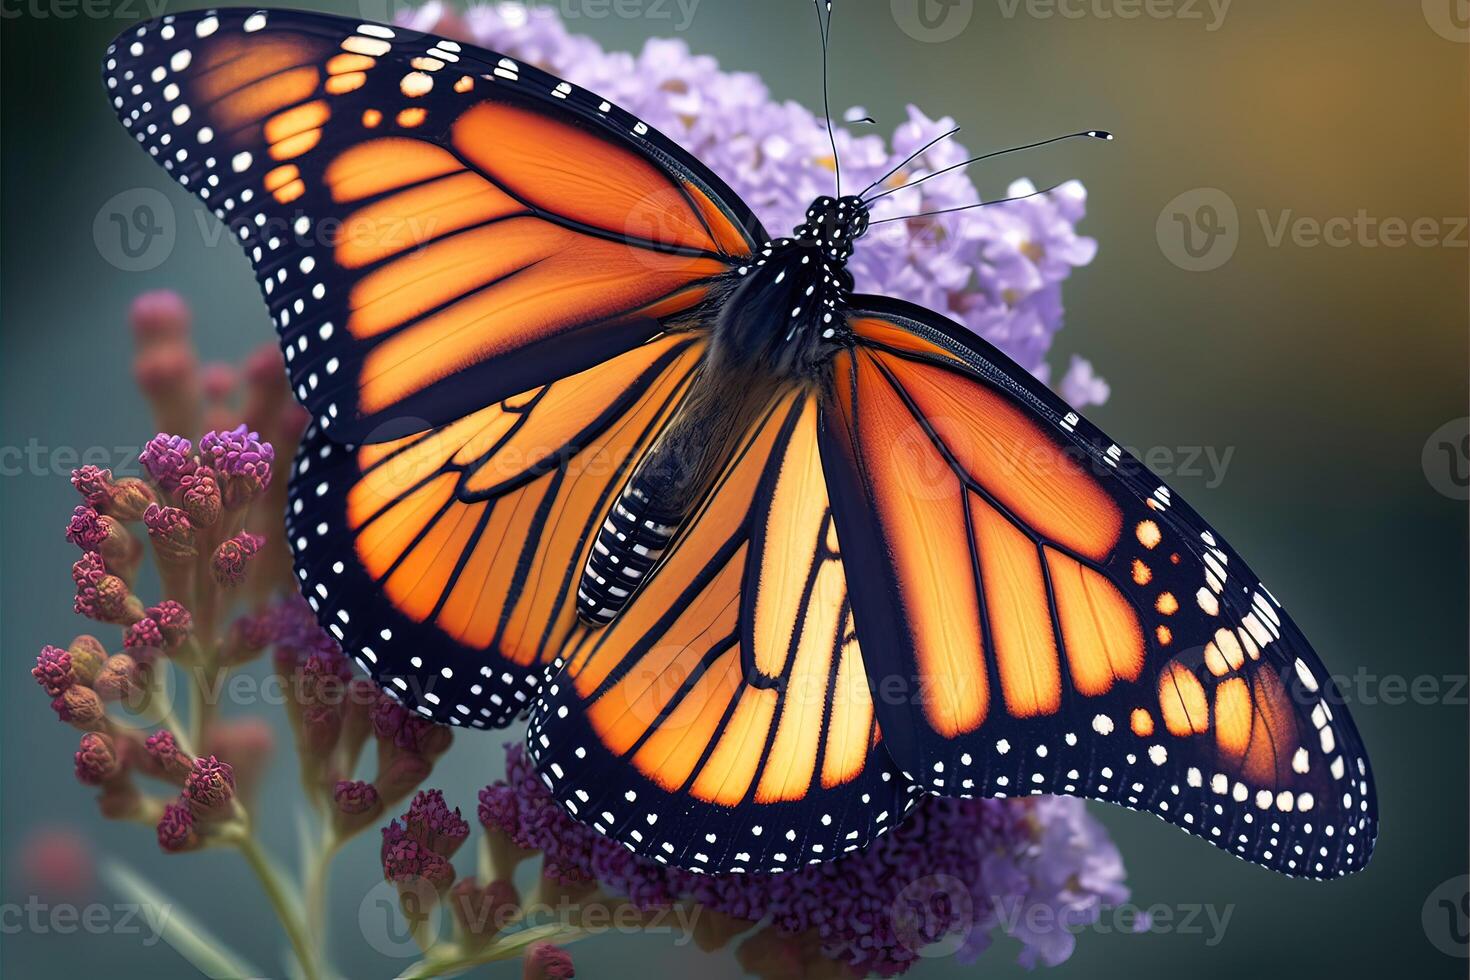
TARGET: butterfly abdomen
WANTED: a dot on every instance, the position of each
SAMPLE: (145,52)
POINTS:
(628,545)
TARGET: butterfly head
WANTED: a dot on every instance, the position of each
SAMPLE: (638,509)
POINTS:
(833,224)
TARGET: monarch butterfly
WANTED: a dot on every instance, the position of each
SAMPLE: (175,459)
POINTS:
(764,559)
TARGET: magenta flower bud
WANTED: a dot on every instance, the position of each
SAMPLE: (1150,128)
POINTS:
(130,499)
(176,830)
(356,797)
(218,380)
(53,670)
(209,788)
(232,558)
(171,533)
(94,484)
(174,622)
(242,460)
(388,717)
(164,750)
(108,601)
(96,759)
(143,638)
(407,862)
(120,678)
(423,737)
(430,822)
(86,529)
(80,707)
(547,962)
(166,458)
(159,315)
(88,569)
(497,809)
(87,657)
(200,495)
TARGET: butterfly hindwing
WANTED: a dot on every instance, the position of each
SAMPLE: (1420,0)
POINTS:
(1060,622)
(446,562)
(434,227)
(723,721)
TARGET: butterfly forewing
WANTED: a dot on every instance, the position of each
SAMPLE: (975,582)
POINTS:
(434,227)
(472,267)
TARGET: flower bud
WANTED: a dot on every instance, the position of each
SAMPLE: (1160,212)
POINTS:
(176,829)
(86,529)
(96,759)
(232,558)
(171,533)
(88,569)
(94,484)
(80,707)
(242,460)
(209,789)
(53,670)
(130,499)
(109,601)
(174,622)
(166,458)
(199,494)
(354,797)
(408,862)
(143,639)
(159,315)
(430,822)
(120,678)
(87,657)
(547,962)
(163,750)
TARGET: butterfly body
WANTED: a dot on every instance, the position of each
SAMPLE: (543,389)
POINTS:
(781,318)
(762,559)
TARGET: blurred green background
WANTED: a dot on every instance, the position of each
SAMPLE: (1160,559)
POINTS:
(1324,369)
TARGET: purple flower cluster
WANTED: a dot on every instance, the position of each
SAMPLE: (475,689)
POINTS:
(239,452)
(1036,868)
(997,270)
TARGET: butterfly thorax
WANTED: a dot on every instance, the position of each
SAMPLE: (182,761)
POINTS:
(785,312)
(777,328)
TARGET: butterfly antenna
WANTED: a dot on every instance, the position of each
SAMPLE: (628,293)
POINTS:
(824,29)
(967,207)
(908,159)
(1096,134)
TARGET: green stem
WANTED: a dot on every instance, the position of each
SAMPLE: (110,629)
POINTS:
(318,878)
(278,892)
(448,958)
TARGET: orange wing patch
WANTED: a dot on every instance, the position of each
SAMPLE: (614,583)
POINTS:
(474,526)
(666,683)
